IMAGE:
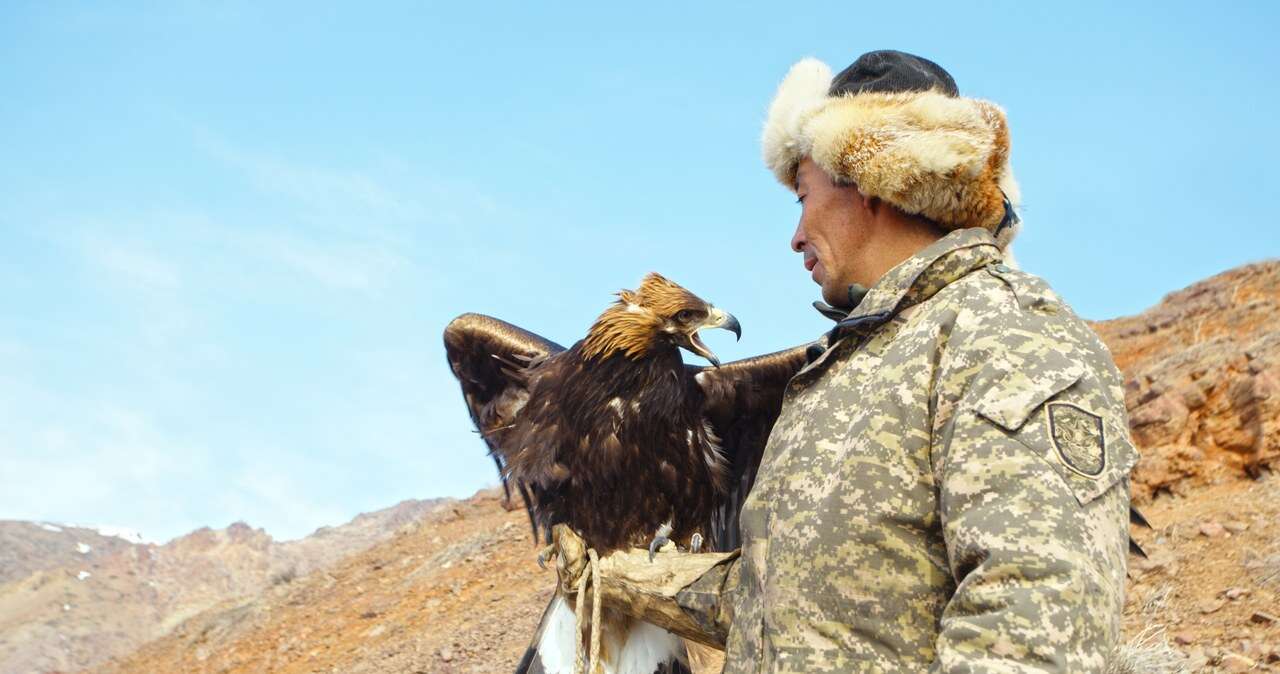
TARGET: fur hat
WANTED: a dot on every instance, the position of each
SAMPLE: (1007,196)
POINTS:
(895,125)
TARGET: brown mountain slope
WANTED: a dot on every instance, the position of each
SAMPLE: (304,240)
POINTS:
(74,609)
(457,592)
(460,592)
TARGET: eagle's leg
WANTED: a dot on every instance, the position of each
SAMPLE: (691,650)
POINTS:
(660,539)
(545,555)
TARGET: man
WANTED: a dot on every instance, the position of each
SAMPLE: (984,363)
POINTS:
(946,488)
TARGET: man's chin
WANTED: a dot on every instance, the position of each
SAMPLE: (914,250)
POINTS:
(836,297)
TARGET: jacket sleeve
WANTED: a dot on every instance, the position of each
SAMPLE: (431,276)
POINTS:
(708,601)
(1034,498)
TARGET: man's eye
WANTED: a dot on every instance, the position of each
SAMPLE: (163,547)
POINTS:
(800,200)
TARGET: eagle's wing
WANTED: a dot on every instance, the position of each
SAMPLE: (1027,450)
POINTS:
(492,359)
(743,400)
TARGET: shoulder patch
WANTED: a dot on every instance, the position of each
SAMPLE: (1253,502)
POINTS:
(1079,436)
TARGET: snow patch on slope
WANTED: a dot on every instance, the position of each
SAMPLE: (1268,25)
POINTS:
(120,532)
(127,535)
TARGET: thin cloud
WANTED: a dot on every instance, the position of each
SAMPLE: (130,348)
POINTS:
(130,263)
(316,188)
(366,266)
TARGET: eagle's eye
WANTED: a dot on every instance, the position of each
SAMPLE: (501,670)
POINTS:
(688,315)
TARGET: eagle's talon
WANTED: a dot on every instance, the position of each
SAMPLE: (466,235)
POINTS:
(659,539)
(656,544)
(695,543)
(545,555)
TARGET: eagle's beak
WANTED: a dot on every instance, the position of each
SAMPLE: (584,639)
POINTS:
(715,319)
(724,319)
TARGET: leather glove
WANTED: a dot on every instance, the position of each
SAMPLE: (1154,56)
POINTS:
(681,592)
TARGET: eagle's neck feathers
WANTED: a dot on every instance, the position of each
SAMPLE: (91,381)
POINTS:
(624,328)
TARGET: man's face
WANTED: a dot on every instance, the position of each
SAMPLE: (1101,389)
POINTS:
(834,229)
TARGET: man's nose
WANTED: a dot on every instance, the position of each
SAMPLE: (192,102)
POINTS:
(797,239)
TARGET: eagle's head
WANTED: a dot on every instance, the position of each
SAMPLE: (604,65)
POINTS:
(658,313)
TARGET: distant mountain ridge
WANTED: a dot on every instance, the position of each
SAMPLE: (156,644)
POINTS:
(72,596)
(27,547)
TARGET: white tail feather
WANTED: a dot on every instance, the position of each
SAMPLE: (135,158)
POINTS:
(557,648)
(645,648)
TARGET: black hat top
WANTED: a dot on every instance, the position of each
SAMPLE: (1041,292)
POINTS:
(890,71)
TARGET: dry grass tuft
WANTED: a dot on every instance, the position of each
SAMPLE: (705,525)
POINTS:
(1149,652)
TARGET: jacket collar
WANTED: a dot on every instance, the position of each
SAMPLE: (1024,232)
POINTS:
(915,279)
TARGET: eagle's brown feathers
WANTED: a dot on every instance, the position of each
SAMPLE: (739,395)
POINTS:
(615,435)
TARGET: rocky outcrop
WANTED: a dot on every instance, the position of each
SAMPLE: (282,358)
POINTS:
(1203,380)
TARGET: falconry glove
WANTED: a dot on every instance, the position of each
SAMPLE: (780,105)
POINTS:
(683,593)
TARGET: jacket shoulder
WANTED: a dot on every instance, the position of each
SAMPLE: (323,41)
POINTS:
(1006,312)
(1025,362)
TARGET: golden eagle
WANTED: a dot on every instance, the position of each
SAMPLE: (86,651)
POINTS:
(618,438)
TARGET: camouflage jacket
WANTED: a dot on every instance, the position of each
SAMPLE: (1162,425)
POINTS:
(946,488)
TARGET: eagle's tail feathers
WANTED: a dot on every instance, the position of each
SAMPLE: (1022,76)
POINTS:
(529,663)
(647,649)
(557,638)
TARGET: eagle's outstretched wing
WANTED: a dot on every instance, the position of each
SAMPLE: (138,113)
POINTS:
(491,359)
(743,401)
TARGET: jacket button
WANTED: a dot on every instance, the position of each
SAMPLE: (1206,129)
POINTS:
(1003,268)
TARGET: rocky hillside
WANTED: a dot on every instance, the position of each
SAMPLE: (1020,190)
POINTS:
(459,592)
(1203,380)
(1203,391)
(72,597)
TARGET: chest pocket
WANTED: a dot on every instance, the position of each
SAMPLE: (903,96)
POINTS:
(1059,410)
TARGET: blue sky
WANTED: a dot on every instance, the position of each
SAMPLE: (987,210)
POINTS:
(230,234)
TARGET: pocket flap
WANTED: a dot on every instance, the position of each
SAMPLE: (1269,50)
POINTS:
(1026,381)
(1045,398)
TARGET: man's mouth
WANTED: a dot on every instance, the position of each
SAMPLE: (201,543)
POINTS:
(810,263)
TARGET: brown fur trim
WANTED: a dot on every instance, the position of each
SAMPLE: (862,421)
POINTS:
(943,157)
